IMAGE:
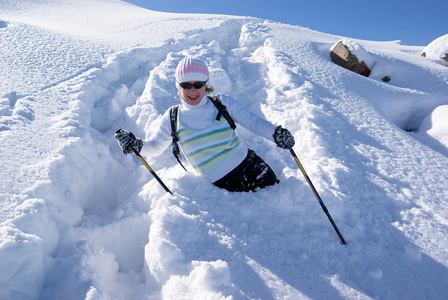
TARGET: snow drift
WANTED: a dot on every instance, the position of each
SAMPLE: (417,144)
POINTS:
(79,220)
(438,50)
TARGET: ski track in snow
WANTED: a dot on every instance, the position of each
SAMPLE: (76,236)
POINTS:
(108,230)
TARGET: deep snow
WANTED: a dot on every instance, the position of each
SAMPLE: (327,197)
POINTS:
(79,220)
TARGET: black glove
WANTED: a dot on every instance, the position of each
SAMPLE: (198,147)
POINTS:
(127,141)
(283,138)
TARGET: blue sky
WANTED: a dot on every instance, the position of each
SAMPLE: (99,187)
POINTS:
(415,22)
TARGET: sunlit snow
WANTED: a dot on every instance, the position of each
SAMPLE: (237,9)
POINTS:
(80,220)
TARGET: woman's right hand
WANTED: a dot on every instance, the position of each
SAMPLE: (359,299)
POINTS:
(128,141)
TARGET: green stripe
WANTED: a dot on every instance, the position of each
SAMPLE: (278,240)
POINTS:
(218,157)
(222,145)
(219,132)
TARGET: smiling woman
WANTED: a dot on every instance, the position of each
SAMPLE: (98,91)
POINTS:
(203,126)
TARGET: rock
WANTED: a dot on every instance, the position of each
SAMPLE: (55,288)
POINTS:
(385,79)
(344,53)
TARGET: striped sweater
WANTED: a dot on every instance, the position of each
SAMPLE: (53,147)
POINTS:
(208,148)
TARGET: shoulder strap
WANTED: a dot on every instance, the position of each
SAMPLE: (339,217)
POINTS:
(174,146)
(222,111)
(173,118)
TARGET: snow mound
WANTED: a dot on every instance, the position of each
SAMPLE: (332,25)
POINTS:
(438,49)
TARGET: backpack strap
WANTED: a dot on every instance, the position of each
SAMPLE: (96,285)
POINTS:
(222,111)
(174,145)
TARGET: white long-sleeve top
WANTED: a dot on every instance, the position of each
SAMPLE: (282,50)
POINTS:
(202,116)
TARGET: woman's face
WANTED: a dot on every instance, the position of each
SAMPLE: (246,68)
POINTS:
(193,96)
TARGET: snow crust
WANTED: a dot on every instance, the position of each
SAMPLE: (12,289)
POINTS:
(79,220)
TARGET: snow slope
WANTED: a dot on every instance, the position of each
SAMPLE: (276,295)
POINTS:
(79,220)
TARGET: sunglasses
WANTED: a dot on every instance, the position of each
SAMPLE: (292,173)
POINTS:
(197,85)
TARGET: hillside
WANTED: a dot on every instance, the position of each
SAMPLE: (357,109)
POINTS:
(79,220)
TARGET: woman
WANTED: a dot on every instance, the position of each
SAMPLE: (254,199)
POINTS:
(208,140)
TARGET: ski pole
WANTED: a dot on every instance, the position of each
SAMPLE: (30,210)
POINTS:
(151,170)
(317,196)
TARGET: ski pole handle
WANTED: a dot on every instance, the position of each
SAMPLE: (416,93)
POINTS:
(151,170)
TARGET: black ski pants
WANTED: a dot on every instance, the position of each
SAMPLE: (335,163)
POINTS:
(253,172)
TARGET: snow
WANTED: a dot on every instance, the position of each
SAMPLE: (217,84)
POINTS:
(438,50)
(79,220)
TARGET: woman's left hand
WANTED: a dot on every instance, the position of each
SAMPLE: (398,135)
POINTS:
(283,138)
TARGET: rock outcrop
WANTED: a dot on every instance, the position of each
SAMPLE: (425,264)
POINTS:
(342,53)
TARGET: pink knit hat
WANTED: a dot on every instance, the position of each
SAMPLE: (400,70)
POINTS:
(191,69)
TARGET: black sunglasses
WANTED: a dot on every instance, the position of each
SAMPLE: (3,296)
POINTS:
(197,85)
